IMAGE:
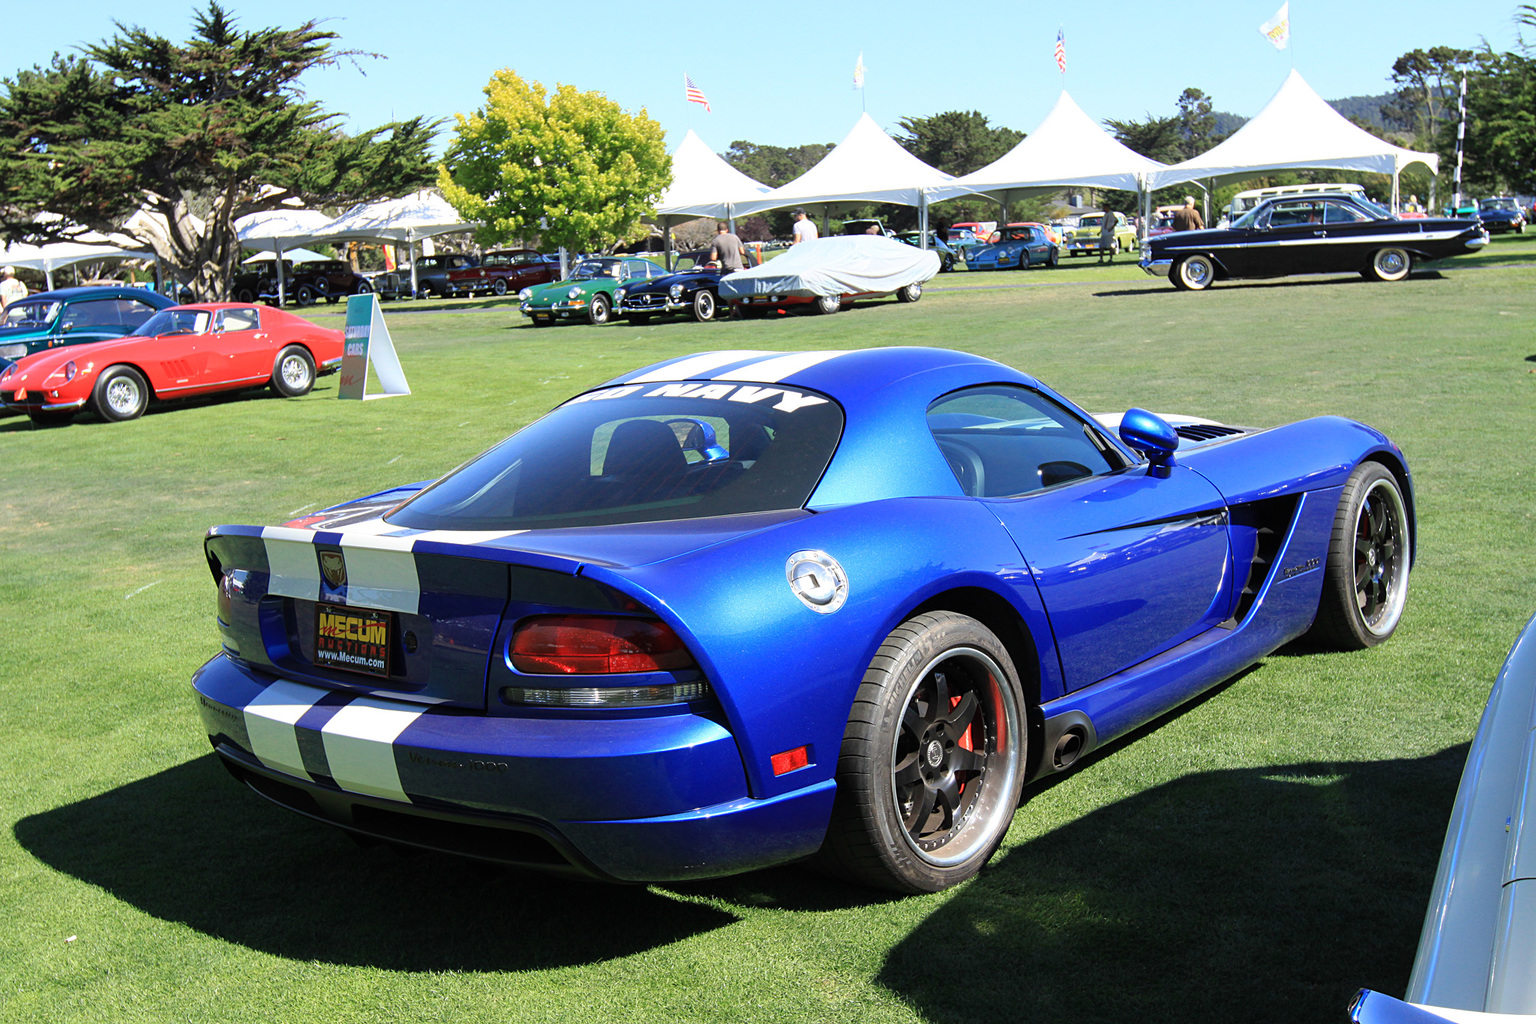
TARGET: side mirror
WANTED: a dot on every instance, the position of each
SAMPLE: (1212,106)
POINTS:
(1151,435)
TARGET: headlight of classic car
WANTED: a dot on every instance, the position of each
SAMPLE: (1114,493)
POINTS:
(618,296)
(574,293)
(63,375)
(676,291)
(525,295)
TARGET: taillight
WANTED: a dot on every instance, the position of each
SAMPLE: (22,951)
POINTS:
(596,645)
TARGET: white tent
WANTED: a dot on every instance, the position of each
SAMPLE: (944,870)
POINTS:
(294,255)
(277,231)
(1067,149)
(868,166)
(408,219)
(703,185)
(56,255)
(1297,129)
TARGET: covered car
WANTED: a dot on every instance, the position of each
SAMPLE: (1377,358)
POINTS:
(180,352)
(738,608)
(1309,234)
(828,272)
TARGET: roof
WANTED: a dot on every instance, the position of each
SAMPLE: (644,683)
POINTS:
(1296,129)
(703,184)
(868,166)
(1067,148)
(102,291)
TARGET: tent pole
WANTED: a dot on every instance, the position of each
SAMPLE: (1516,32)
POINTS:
(277,268)
(48,275)
(415,280)
(1397,196)
(922,218)
(666,242)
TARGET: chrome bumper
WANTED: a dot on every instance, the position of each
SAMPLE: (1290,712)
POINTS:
(1158,267)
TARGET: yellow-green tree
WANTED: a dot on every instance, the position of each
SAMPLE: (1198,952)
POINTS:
(570,168)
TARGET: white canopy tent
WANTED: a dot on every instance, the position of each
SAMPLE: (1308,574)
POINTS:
(703,185)
(278,231)
(57,255)
(1067,149)
(407,219)
(868,166)
(1296,130)
(294,255)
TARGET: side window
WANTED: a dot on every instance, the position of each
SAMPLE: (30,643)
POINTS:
(91,313)
(135,312)
(1002,440)
(1338,213)
(238,320)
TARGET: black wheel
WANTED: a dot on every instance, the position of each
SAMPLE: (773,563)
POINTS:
(829,303)
(120,394)
(293,374)
(1194,273)
(304,295)
(597,310)
(245,295)
(363,288)
(1389,265)
(911,293)
(947,263)
(932,762)
(704,305)
(1365,582)
(1055,260)
(499,286)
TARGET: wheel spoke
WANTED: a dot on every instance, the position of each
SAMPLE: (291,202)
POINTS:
(913,723)
(959,720)
(940,695)
(962,760)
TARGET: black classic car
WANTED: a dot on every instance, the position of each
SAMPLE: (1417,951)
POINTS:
(1502,213)
(1310,234)
(694,292)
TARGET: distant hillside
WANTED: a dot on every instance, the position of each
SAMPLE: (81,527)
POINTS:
(1366,109)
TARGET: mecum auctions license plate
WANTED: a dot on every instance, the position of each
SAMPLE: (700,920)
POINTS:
(354,639)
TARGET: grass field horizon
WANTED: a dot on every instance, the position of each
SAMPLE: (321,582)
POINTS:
(1256,855)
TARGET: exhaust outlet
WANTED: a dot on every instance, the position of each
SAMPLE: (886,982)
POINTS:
(1068,748)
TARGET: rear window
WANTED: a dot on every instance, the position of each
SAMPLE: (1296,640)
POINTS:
(642,453)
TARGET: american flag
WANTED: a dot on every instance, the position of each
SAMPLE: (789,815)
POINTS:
(1061,52)
(693,93)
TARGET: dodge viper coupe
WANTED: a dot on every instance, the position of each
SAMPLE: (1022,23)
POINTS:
(179,352)
(827,273)
(1309,234)
(741,608)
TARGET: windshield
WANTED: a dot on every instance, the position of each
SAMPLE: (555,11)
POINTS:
(1497,204)
(176,321)
(1375,209)
(586,270)
(30,314)
(641,453)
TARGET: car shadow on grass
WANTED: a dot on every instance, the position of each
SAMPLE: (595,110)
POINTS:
(1293,281)
(1260,894)
(190,845)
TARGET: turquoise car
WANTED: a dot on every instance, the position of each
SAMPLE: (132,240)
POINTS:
(588,293)
(73,316)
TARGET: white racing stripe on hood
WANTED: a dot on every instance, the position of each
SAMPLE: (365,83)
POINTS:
(690,366)
(771,371)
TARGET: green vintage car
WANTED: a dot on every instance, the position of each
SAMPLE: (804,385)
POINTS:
(1083,240)
(588,293)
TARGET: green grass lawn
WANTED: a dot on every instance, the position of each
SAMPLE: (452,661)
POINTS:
(1255,856)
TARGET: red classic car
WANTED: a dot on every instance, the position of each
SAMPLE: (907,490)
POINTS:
(503,271)
(179,352)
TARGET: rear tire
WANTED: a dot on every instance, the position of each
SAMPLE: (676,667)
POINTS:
(932,762)
(911,293)
(1389,264)
(293,374)
(1365,582)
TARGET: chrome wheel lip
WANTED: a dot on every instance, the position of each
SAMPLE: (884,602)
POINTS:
(1386,556)
(1392,262)
(983,822)
(1197,271)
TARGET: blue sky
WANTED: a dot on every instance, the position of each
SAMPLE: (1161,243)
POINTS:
(786,78)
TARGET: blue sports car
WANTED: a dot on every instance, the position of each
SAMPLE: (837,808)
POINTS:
(1019,246)
(741,608)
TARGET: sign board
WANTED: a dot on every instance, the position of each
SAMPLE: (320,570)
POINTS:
(366,343)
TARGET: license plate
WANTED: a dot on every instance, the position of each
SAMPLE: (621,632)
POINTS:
(354,639)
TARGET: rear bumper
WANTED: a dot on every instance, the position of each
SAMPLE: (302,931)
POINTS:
(636,799)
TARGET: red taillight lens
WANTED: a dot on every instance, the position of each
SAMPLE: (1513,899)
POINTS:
(593,645)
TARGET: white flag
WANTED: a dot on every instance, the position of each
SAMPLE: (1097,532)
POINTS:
(858,71)
(1278,29)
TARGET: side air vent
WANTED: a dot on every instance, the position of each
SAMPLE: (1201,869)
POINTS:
(1266,522)
(1206,431)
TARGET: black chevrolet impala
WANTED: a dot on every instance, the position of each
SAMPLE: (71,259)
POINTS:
(1311,234)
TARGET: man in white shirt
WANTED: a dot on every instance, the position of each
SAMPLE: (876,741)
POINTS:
(11,290)
(805,231)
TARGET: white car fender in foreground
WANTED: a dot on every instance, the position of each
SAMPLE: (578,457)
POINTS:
(1477,954)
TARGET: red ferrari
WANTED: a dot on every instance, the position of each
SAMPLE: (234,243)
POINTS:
(178,353)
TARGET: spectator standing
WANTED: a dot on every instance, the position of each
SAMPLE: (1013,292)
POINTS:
(727,250)
(11,290)
(1187,217)
(1107,236)
(805,231)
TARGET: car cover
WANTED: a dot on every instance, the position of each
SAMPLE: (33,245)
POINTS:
(841,265)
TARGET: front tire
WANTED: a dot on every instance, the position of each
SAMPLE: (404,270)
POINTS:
(1389,265)
(245,295)
(597,310)
(911,293)
(932,762)
(704,306)
(499,286)
(1194,273)
(293,374)
(304,295)
(1365,583)
(120,394)
(829,303)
